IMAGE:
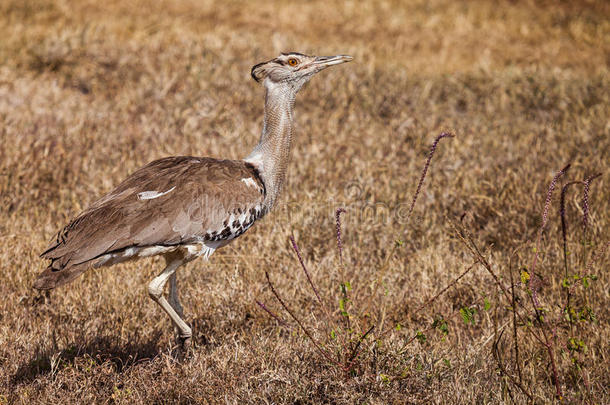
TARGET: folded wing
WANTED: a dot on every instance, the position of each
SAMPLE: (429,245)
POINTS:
(169,202)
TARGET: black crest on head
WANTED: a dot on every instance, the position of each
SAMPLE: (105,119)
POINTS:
(293,53)
(254,71)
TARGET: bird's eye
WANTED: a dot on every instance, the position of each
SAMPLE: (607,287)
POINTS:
(293,62)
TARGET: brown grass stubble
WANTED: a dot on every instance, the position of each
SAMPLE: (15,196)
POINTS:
(90,92)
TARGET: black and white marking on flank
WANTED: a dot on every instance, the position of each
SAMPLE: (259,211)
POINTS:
(235,225)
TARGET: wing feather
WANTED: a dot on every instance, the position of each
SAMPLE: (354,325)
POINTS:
(204,192)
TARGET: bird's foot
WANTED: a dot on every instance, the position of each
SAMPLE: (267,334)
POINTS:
(185,342)
(184,347)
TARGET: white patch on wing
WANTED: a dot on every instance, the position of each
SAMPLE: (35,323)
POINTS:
(149,195)
(250,182)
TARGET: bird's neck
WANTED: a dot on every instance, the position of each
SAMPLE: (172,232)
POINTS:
(272,153)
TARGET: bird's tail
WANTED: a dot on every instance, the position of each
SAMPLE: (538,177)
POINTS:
(53,277)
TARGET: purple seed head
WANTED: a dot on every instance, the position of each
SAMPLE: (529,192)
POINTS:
(338,222)
(545,214)
(425,170)
(585,199)
(549,195)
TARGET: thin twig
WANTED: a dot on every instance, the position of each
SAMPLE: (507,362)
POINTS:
(313,287)
(441,292)
(431,300)
(514,306)
(596,257)
(564,233)
(298,321)
(498,357)
(273,315)
(429,328)
(463,234)
(548,343)
(355,349)
(466,238)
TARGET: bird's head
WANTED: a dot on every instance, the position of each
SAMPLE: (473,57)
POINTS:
(294,69)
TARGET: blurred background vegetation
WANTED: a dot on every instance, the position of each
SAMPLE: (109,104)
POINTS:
(90,91)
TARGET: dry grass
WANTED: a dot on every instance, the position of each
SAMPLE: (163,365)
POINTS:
(89,91)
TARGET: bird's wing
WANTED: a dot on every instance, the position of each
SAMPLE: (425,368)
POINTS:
(171,201)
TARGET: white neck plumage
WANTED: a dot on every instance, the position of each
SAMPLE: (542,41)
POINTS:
(272,154)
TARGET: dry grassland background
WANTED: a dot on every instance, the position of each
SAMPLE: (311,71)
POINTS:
(92,90)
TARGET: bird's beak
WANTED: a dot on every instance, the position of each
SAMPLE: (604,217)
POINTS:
(325,61)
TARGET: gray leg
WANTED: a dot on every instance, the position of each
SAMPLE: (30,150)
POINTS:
(173,298)
(155,290)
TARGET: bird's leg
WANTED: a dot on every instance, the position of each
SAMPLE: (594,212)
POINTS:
(155,290)
(173,298)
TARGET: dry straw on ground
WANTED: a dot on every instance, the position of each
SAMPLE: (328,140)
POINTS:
(89,91)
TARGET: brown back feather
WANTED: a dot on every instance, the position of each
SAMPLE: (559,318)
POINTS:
(205,192)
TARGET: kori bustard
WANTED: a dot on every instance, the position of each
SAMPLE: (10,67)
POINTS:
(184,207)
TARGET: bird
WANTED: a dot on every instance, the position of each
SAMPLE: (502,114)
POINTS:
(186,207)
